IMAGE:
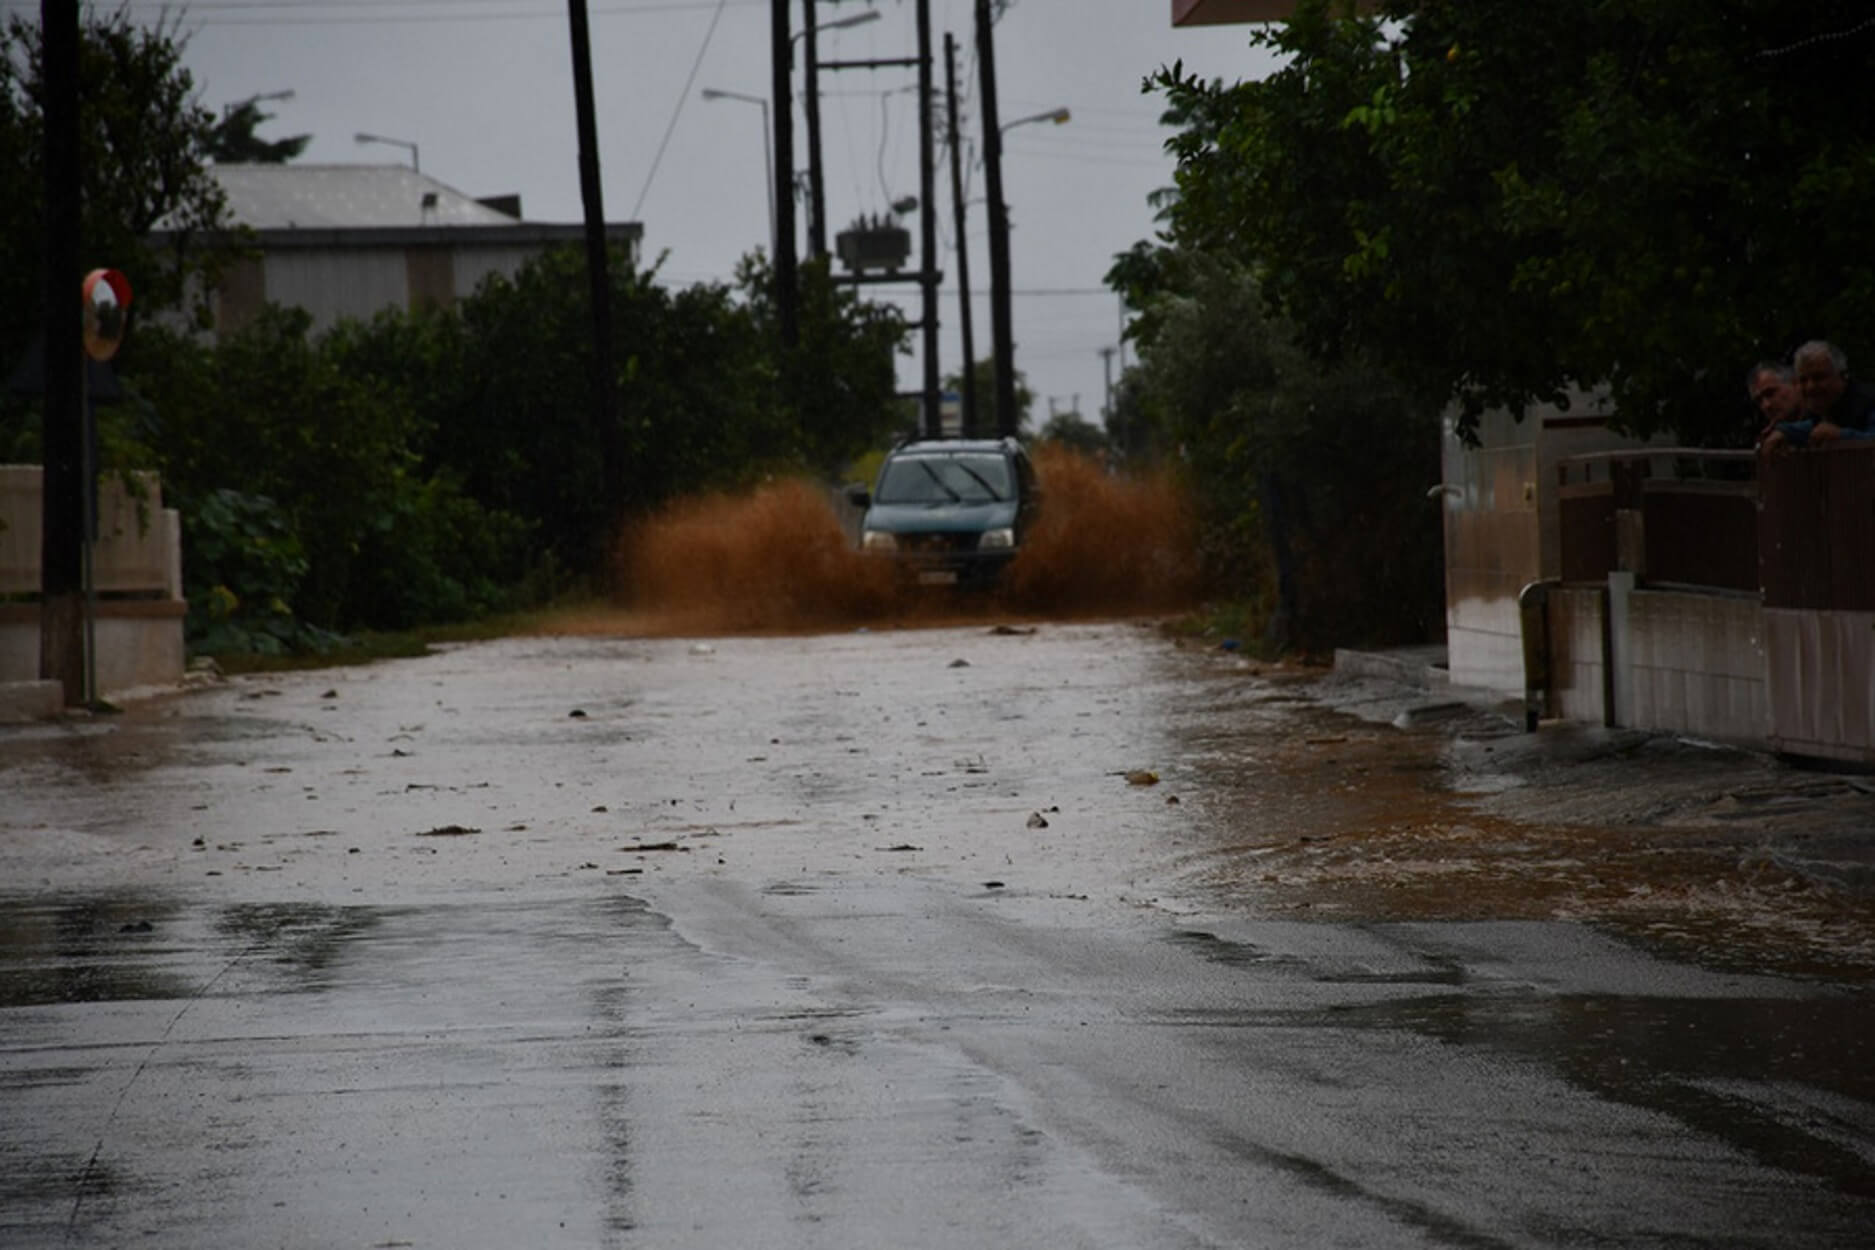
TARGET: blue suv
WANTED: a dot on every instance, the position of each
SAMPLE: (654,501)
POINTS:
(951,512)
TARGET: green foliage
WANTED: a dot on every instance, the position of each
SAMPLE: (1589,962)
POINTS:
(276,414)
(416,467)
(1309,481)
(245,541)
(1071,429)
(235,140)
(1498,199)
(841,381)
(983,387)
(143,149)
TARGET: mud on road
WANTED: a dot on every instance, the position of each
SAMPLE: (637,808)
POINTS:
(1384,803)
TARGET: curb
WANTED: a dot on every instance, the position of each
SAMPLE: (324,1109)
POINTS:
(24,701)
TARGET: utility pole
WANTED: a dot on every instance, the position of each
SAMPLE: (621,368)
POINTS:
(927,219)
(787,277)
(1106,368)
(927,276)
(598,269)
(1005,348)
(816,182)
(63,517)
(968,372)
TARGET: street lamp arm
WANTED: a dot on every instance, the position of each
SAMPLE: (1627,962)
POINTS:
(415,165)
(821,28)
(1058,116)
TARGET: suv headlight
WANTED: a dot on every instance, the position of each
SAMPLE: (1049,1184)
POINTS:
(877,540)
(997,540)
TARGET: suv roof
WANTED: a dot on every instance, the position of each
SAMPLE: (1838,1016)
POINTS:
(938,446)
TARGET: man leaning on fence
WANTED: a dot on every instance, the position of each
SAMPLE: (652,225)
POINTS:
(1835,407)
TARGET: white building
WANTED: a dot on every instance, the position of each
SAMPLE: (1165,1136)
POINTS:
(350,240)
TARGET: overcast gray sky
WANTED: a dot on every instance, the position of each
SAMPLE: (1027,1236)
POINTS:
(484,89)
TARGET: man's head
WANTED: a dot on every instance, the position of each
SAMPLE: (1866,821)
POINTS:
(1822,375)
(1773,391)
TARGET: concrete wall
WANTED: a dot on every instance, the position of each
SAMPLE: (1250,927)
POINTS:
(1680,661)
(137,571)
(1577,659)
(1503,529)
(1697,665)
(1822,677)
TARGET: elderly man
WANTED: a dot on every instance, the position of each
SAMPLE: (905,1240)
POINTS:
(1773,391)
(1835,408)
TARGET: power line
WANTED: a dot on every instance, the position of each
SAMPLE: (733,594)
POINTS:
(267,15)
(678,111)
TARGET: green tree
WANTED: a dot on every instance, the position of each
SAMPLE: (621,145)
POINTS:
(306,502)
(1495,200)
(1309,481)
(1072,430)
(983,386)
(235,138)
(841,380)
(144,147)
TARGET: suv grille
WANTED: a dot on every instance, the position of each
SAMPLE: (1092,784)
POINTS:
(936,544)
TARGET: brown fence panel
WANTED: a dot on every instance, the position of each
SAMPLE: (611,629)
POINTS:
(1816,529)
(1702,533)
(1586,515)
(1849,536)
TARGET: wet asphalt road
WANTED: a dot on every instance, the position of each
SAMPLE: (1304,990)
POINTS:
(827,942)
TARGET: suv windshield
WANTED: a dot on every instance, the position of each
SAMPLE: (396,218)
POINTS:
(971,478)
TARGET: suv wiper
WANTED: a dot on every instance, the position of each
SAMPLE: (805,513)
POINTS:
(980,479)
(942,484)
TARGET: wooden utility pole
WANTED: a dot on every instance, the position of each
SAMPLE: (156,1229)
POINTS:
(605,414)
(968,373)
(63,513)
(787,274)
(927,219)
(816,182)
(1000,329)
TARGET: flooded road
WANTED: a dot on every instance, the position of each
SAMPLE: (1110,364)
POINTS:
(1052,936)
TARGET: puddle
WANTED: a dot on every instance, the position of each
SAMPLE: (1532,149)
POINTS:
(87,951)
(1745,1071)
(305,941)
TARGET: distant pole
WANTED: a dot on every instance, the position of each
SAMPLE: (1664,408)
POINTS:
(927,217)
(816,182)
(62,515)
(1106,368)
(1005,347)
(598,276)
(787,276)
(968,374)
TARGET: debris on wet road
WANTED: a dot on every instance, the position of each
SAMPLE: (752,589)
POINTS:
(821,942)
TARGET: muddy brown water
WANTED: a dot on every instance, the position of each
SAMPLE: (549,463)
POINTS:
(775,560)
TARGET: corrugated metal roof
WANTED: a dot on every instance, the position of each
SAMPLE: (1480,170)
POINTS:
(286,197)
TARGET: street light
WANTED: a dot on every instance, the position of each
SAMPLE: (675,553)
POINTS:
(1058,116)
(768,156)
(362,137)
(1001,315)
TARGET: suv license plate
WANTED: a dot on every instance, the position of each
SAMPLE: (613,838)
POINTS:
(937,577)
